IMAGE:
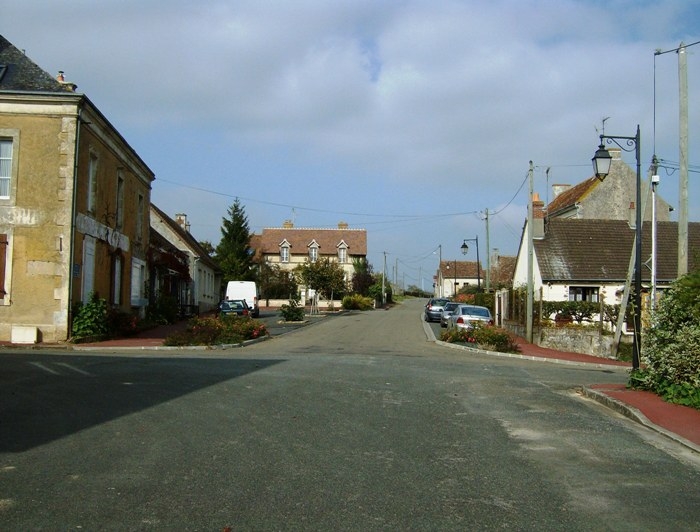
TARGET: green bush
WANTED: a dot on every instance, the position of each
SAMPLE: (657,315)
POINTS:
(670,356)
(292,311)
(357,302)
(215,331)
(483,336)
(90,319)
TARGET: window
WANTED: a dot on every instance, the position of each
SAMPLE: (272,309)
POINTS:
(284,254)
(92,183)
(5,167)
(342,255)
(117,280)
(120,200)
(138,279)
(139,217)
(313,253)
(89,245)
(583,293)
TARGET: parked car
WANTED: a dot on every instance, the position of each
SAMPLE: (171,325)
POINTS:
(247,290)
(447,311)
(466,316)
(433,309)
(239,307)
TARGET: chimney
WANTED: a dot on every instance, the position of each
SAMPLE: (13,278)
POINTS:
(537,216)
(632,218)
(181,220)
(558,189)
(61,78)
(342,225)
(288,224)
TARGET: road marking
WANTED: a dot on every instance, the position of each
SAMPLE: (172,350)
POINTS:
(45,368)
(73,368)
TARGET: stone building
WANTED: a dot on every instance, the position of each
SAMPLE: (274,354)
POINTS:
(74,199)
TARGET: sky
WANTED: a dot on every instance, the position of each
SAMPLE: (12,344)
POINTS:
(411,119)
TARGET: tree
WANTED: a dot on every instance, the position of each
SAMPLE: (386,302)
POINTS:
(233,252)
(362,277)
(324,276)
(276,283)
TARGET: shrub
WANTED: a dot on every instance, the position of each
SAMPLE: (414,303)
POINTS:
(486,337)
(670,357)
(214,331)
(357,302)
(90,319)
(165,309)
(292,311)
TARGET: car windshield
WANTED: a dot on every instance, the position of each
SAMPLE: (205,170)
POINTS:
(451,306)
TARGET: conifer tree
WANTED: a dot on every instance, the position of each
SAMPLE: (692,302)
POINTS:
(233,253)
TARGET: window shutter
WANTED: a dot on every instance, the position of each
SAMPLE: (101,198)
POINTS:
(3,258)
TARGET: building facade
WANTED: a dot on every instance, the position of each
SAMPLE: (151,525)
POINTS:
(289,247)
(74,198)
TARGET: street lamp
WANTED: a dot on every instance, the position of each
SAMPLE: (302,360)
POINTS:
(465,249)
(601,166)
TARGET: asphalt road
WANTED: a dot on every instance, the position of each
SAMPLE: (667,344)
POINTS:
(356,422)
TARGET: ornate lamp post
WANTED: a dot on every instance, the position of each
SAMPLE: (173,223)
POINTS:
(601,166)
(465,249)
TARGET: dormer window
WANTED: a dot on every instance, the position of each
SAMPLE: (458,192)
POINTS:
(313,251)
(284,251)
(342,252)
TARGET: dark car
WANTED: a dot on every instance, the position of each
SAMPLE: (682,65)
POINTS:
(237,307)
(433,309)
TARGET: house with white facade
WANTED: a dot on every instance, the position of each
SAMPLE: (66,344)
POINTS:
(203,291)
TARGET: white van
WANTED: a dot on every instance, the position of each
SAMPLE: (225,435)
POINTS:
(247,290)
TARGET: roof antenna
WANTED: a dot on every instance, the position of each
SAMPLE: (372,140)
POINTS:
(603,126)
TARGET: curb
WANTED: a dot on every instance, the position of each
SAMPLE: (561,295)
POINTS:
(635,415)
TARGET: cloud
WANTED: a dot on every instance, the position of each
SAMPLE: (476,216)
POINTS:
(407,107)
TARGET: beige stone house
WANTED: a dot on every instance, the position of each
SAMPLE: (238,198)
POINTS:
(74,199)
(289,246)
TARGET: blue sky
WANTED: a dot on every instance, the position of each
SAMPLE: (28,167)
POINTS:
(406,118)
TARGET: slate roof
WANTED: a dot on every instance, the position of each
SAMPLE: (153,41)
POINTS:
(573,195)
(19,73)
(579,250)
(268,242)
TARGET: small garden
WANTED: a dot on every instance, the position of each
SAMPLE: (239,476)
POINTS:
(224,330)
(670,355)
(484,337)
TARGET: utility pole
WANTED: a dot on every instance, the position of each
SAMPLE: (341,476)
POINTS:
(683,162)
(530,258)
(488,254)
(383,286)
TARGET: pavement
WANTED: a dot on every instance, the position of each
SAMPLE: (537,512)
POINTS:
(679,423)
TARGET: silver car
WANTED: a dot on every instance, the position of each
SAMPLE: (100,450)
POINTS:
(447,312)
(466,316)
(433,309)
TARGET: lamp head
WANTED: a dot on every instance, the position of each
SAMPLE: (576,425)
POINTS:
(464,248)
(601,162)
